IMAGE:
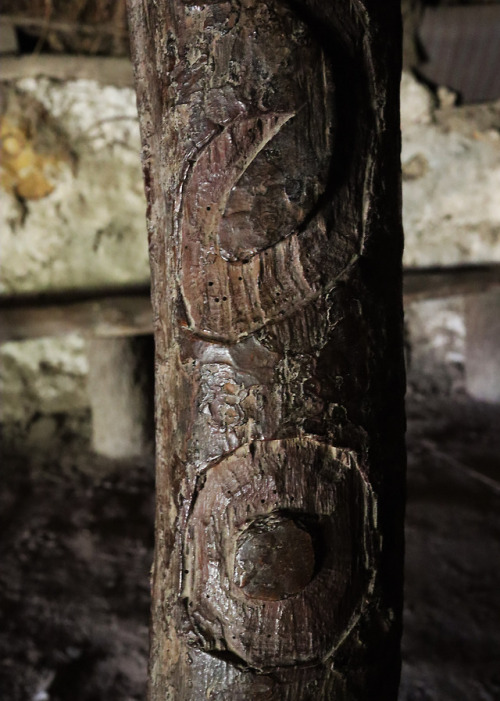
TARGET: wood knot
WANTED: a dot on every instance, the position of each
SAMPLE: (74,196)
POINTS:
(274,558)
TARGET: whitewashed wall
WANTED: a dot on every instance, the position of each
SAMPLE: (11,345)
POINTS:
(90,229)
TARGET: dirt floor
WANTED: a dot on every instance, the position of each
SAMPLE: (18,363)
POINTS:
(76,548)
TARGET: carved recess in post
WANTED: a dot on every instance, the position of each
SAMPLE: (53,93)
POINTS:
(258,238)
(278,552)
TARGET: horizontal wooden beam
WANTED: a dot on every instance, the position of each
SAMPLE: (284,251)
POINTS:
(432,283)
(96,313)
(45,24)
(126,311)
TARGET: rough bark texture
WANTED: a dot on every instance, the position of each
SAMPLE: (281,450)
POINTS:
(271,162)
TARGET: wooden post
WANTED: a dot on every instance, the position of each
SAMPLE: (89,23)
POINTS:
(482,346)
(120,388)
(271,161)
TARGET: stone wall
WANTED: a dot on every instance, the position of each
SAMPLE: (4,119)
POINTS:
(72,210)
(72,215)
(451,178)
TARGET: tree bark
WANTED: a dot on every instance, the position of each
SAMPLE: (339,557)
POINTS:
(271,162)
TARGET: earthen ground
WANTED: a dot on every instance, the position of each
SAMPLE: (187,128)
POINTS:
(76,550)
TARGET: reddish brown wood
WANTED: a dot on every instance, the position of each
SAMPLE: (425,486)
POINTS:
(271,161)
(275,557)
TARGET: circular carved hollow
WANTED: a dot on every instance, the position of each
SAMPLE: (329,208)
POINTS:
(274,558)
(310,502)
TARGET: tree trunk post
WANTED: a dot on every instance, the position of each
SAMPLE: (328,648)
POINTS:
(271,162)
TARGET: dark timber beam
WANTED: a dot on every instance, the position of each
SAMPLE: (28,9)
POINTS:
(119,312)
(126,311)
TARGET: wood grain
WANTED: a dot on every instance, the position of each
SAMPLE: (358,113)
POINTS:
(271,161)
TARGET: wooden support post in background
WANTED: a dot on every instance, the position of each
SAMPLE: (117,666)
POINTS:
(271,161)
(482,346)
(120,386)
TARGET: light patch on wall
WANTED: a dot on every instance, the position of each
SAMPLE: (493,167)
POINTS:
(24,171)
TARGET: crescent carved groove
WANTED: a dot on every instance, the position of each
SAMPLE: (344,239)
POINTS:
(227,300)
